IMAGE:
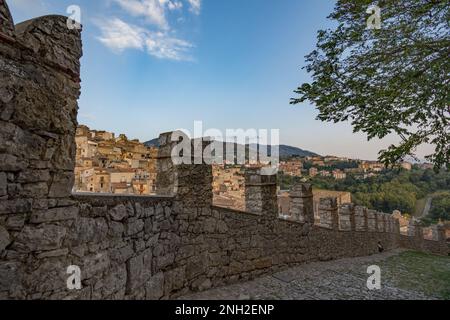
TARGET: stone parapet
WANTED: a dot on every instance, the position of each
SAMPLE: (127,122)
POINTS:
(347,217)
(328,212)
(302,203)
(261,193)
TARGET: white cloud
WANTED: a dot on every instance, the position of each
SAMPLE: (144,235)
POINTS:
(119,35)
(174,5)
(195,6)
(161,46)
(154,11)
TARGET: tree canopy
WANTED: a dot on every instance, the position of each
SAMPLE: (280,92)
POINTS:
(389,80)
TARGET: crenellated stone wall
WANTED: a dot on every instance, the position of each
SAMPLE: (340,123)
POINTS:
(132,247)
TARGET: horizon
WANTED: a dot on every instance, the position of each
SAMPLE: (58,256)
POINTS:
(179,61)
(145,141)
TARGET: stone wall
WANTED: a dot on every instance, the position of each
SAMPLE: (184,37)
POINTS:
(137,247)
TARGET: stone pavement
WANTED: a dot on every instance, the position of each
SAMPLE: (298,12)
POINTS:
(343,279)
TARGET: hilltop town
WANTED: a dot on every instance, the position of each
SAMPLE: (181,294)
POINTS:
(106,163)
(109,164)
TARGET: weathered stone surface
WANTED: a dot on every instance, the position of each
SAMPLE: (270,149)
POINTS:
(53,254)
(15,222)
(44,238)
(99,211)
(88,230)
(6,21)
(118,213)
(34,190)
(114,282)
(154,288)
(201,284)
(121,255)
(9,162)
(15,206)
(3,184)
(174,280)
(164,261)
(4,239)
(50,275)
(139,270)
(10,275)
(29,176)
(134,226)
(94,265)
(55,214)
(116,229)
(62,185)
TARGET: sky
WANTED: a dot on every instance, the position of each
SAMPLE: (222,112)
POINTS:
(152,66)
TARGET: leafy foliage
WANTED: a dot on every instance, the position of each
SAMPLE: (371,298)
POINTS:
(392,190)
(391,80)
(440,208)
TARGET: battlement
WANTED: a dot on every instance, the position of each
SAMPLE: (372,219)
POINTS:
(139,247)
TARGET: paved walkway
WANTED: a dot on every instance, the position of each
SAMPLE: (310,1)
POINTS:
(333,280)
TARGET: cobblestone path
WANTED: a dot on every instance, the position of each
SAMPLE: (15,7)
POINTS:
(340,280)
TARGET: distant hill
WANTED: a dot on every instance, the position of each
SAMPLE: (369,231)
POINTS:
(289,151)
(152,143)
(285,151)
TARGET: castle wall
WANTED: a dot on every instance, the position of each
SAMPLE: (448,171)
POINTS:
(129,246)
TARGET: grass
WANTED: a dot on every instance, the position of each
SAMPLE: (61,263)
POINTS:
(420,272)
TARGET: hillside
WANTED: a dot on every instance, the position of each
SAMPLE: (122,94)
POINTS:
(285,150)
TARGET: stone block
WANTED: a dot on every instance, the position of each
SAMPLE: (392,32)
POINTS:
(121,255)
(118,213)
(53,254)
(3,184)
(134,227)
(115,280)
(62,184)
(99,211)
(50,275)
(139,270)
(34,190)
(165,261)
(4,239)
(10,275)
(88,230)
(43,238)
(116,229)
(15,222)
(94,265)
(174,280)
(154,288)
(9,162)
(30,176)
(55,214)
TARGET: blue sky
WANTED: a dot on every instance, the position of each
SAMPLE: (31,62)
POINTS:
(151,66)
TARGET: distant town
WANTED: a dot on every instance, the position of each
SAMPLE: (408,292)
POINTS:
(106,163)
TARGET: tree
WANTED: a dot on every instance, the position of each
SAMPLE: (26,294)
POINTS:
(389,80)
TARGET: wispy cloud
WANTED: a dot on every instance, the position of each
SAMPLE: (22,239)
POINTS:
(119,36)
(153,10)
(195,6)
